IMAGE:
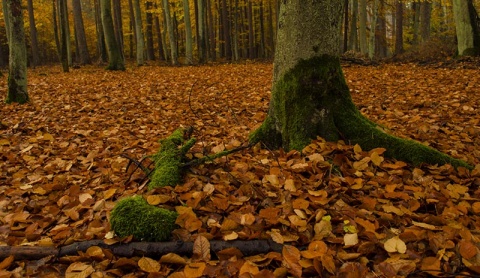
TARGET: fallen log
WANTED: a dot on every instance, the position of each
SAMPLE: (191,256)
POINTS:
(132,249)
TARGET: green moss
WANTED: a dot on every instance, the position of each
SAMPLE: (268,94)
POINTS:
(313,99)
(168,160)
(134,216)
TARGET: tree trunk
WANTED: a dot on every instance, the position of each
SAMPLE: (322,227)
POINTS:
(310,96)
(466,24)
(251,37)
(117,24)
(399,27)
(17,59)
(188,33)
(171,34)
(202,49)
(33,34)
(226,31)
(161,52)
(381,50)
(149,33)
(235,32)
(425,14)
(139,33)
(80,33)
(363,27)
(373,29)
(115,57)
(416,21)
(353,27)
(345,26)
(64,38)
(101,48)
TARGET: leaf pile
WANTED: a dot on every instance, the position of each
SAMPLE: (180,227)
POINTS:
(338,210)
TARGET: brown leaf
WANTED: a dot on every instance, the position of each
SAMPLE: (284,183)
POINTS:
(148,265)
(193,270)
(291,258)
(201,248)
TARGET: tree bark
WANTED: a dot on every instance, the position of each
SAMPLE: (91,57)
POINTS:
(118,24)
(363,27)
(149,31)
(139,33)
(468,37)
(310,96)
(171,34)
(33,34)
(115,57)
(64,34)
(188,33)
(353,27)
(161,52)
(425,14)
(81,39)
(101,48)
(17,64)
(226,31)
(398,27)
(202,48)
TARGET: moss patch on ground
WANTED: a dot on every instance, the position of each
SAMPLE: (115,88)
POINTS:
(134,216)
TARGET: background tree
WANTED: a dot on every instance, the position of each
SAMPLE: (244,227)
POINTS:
(64,34)
(171,32)
(466,23)
(115,57)
(398,27)
(310,96)
(139,33)
(80,38)
(101,47)
(33,34)
(17,65)
(188,33)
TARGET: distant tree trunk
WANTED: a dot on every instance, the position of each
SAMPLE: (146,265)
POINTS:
(345,26)
(149,33)
(235,31)
(171,34)
(115,57)
(353,26)
(202,49)
(161,52)
(80,33)
(55,28)
(399,27)
(33,34)
(101,48)
(17,62)
(467,26)
(381,50)
(373,29)
(210,38)
(363,27)
(188,33)
(425,14)
(262,30)
(139,33)
(64,38)
(251,37)
(271,33)
(226,31)
(118,24)
(416,21)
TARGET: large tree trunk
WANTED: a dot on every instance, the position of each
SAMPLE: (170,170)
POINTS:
(118,24)
(310,97)
(80,33)
(115,57)
(466,24)
(17,65)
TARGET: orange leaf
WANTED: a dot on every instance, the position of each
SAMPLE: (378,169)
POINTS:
(148,265)
(201,248)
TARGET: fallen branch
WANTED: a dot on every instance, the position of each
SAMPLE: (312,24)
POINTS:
(132,249)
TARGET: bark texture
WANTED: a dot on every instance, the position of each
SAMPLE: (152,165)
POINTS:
(310,97)
(17,66)
(115,57)
(466,26)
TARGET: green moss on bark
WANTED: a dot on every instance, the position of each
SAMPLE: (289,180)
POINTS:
(168,160)
(134,216)
(313,99)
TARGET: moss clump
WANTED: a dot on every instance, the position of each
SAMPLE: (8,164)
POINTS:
(134,216)
(168,160)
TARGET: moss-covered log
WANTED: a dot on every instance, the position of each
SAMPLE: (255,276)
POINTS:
(168,160)
(134,216)
(312,99)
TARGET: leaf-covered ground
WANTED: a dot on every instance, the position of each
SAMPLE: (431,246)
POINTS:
(340,211)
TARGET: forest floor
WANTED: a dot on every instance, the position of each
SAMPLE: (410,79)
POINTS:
(340,211)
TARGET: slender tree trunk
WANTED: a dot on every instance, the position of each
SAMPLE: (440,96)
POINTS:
(115,57)
(373,29)
(310,96)
(271,33)
(161,52)
(345,27)
(64,38)
(80,33)
(132,25)
(363,27)
(416,21)
(399,27)
(188,33)
(17,59)
(118,24)
(101,48)
(353,27)
(210,37)
(425,14)
(149,18)
(226,31)
(171,34)
(235,32)
(262,31)
(251,37)
(139,33)
(33,34)
(202,51)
